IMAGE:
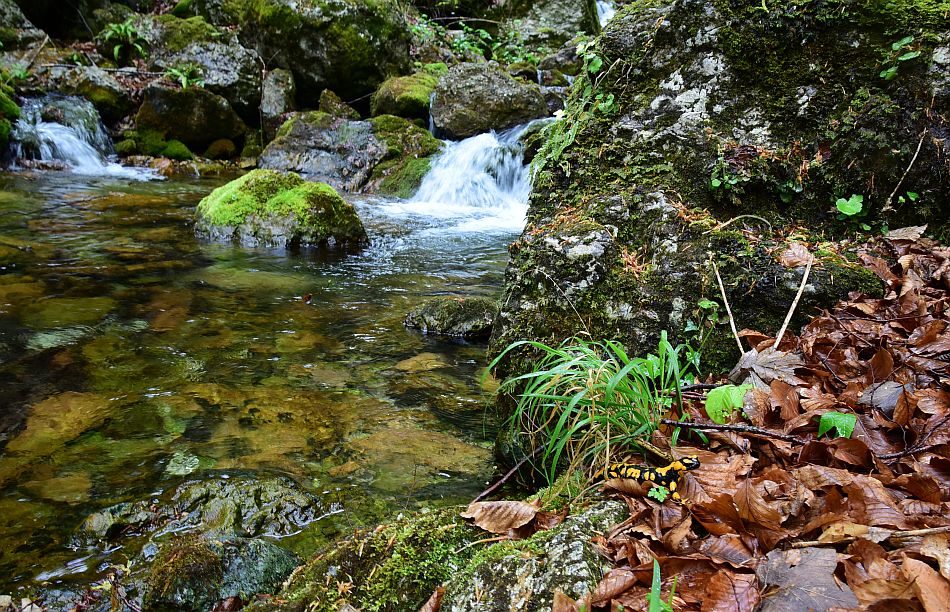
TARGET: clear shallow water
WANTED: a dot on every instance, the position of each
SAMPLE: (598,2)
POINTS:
(133,357)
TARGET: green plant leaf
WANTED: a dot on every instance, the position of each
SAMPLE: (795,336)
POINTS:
(659,493)
(902,43)
(889,74)
(908,56)
(912,196)
(851,206)
(715,183)
(595,64)
(842,422)
(721,402)
(654,599)
(707,304)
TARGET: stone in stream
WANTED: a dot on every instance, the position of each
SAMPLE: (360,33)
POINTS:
(474,98)
(469,318)
(276,209)
(408,96)
(193,116)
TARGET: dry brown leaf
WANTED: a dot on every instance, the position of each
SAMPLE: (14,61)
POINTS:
(784,397)
(731,592)
(614,582)
(937,547)
(563,603)
(933,590)
(802,579)
(767,366)
(796,256)
(500,516)
(729,549)
(911,233)
(435,601)
(754,509)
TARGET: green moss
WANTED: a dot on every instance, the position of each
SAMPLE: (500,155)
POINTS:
(179,33)
(5,128)
(8,108)
(150,142)
(401,179)
(187,564)
(126,147)
(232,203)
(182,9)
(405,96)
(223,148)
(175,149)
(408,156)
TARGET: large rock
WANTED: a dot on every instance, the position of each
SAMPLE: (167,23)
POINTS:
(194,572)
(110,97)
(16,31)
(194,116)
(277,100)
(227,68)
(475,98)
(711,112)
(462,317)
(408,96)
(349,46)
(276,209)
(550,23)
(385,155)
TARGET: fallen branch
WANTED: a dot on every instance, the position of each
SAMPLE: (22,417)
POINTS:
(732,321)
(505,478)
(114,70)
(747,429)
(887,203)
(791,311)
(893,538)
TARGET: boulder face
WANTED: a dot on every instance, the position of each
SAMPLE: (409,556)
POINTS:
(275,209)
(385,155)
(277,99)
(111,98)
(550,23)
(349,46)
(226,68)
(17,32)
(475,98)
(194,116)
(719,111)
(470,318)
(408,96)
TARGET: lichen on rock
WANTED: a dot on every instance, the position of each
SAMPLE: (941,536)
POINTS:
(270,208)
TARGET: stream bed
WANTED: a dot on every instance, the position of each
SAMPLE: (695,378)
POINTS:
(134,357)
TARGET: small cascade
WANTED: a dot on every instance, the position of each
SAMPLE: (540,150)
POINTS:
(67,131)
(605,11)
(481,181)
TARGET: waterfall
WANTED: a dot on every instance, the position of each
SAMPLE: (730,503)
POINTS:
(605,10)
(482,182)
(67,131)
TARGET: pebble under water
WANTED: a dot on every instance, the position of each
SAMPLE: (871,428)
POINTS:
(134,357)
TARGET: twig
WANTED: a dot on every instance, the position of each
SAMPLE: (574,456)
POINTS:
(722,291)
(748,429)
(890,198)
(500,538)
(791,311)
(897,535)
(36,53)
(116,70)
(919,447)
(510,473)
(730,221)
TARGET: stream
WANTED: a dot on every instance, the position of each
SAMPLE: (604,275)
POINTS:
(134,357)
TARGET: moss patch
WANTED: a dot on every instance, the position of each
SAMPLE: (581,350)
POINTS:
(179,33)
(184,570)
(406,96)
(177,150)
(410,150)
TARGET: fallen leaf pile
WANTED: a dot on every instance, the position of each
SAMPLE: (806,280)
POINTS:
(780,518)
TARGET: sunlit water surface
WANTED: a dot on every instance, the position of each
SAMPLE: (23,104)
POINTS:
(134,357)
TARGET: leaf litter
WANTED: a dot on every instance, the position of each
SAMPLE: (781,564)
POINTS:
(781,516)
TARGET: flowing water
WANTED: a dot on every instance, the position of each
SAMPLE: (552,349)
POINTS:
(605,11)
(133,357)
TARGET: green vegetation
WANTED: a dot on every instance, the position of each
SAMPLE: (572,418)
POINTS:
(843,424)
(723,402)
(126,40)
(897,55)
(187,75)
(583,398)
(654,599)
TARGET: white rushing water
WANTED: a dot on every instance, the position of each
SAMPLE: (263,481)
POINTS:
(480,183)
(68,131)
(605,11)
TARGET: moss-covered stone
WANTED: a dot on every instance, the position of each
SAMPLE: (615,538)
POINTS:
(194,116)
(177,33)
(408,96)
(463,317)
(184,574)
(223,148)
(409,153)
(177,150)
(722,111)
(273,208)
(331,104)
(9,112)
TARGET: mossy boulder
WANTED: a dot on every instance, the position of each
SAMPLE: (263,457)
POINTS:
(110,97)
(194,116)
(16,31)
(720,130)
(408,96)
(383,155)
(476,97)
(332,104)
(226,67)
(349,46)
(547,24)
(470,318)
(9,113)
(277,209)
(222,148)
(194,572)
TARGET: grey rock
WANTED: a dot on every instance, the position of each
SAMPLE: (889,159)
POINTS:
(450,316)
(277,100)
(550,23)
(16,32)
(474,98)
(111,98)
(194,116)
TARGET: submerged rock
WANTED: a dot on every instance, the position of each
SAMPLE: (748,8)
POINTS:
(193,572)
(475,98)
(451,316)
(193,116)
(275,209)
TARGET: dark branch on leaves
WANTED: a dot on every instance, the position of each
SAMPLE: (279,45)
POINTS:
(747,429)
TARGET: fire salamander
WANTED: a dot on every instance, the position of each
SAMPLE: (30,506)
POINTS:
(664,476)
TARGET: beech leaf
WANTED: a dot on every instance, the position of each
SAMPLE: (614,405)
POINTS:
(500,516)
(722,402)
(841,422)
(803,579)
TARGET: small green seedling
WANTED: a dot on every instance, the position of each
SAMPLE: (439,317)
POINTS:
(723,402)
(843,423)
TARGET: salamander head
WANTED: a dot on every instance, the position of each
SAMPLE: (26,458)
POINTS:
(690,462)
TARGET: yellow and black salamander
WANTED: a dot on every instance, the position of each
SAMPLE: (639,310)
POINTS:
(664,476)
